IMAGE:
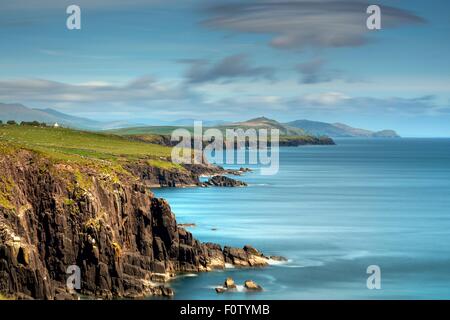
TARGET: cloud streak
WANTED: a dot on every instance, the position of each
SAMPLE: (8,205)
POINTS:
(47,91)
(301,24)
(313,72)
(231,67)
(149,98)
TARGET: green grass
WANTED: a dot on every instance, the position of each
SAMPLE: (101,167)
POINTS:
(67,145)
(165,165)
(149,132)
(162,130)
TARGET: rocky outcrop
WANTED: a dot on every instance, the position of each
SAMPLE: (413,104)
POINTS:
(252,286)
(246,257)
(187,175)
(223,181)
(123,240)
(302,141)
(230,285)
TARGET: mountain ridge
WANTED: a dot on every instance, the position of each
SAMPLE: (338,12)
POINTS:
(19,112)
(340,130)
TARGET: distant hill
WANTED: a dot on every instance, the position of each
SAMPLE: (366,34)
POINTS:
(339,130)
(189,122)
(256,123)
(265,123)
(19,113)
(289,136)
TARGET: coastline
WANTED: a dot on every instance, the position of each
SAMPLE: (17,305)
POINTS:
(125,241)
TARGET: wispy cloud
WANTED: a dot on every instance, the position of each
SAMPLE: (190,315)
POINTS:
(313,71)
(227,69)
(302,23)
(47,91)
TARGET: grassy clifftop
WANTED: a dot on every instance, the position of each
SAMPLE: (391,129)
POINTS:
(67,145)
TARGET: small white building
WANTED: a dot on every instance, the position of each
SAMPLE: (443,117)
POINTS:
(56,125)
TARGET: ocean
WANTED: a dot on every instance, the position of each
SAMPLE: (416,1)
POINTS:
(332,211)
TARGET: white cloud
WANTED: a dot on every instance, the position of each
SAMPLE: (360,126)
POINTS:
(327,98)
(46,91)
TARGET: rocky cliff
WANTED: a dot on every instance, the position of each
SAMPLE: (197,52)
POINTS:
(125,241)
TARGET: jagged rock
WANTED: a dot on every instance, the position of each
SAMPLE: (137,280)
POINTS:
(235,256)
(229,283)
(252,286)
(224,181)
(187,225)
(154,176)
(251,250)
(163,291)
(278,258)
(214,256)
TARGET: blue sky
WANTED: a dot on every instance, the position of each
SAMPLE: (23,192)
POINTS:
(152,60)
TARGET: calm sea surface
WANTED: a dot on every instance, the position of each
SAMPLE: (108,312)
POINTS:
(332,211)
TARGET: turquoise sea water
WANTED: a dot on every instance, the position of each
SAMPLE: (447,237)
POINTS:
(332,211)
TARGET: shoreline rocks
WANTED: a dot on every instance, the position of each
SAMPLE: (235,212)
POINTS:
(187,225)
(245,257)
(278,258)
(223,181)
(230,286)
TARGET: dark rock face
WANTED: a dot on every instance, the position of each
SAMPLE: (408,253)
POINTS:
(125,242)
(295,142)
(223,181)
(151,176)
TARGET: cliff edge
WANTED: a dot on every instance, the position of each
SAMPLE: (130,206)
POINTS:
(99,218)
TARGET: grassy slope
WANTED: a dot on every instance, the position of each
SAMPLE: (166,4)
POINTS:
(79,146)
(167,130)
(148,130)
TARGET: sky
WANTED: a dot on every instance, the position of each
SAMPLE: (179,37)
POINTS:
(146,61)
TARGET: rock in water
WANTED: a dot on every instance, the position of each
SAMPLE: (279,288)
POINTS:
(220,290)
(223,181)
(229,283)
(252,286)
(278,258)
